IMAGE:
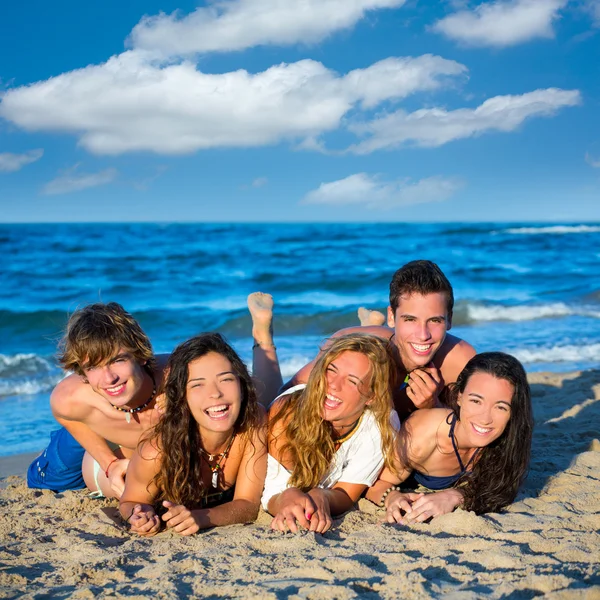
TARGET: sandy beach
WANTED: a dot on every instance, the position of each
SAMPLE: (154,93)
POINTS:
(546,544)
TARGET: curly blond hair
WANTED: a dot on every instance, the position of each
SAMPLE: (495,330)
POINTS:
(310,440)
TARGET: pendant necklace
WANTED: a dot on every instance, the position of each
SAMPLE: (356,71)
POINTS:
(346,436)
(129,411)
(222,456)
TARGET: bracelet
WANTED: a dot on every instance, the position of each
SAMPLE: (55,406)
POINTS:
(258,345)
(109,464)
(392,488)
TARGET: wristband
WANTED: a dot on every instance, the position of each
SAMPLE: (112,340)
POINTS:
(393,488)
(109,464)
(259,345)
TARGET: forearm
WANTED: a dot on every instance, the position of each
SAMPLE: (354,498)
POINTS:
(376,492)
(230,513)
(93,443)
(338,500)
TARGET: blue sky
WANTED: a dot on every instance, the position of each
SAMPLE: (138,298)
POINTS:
(304,110)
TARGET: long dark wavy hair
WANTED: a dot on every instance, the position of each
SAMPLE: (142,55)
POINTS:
(310,442)
(177,435)
(502,465)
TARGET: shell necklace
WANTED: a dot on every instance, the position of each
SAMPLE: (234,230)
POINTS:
(222,456)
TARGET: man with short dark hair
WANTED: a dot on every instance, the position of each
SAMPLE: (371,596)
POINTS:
(418,317)
(104,406)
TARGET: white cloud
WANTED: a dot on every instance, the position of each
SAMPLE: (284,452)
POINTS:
(502,22)
(130,104)
(10,162)
(71,181)
(593,162)
(260,182)
(227,25)
(593,8)
(373,192)
(436,126)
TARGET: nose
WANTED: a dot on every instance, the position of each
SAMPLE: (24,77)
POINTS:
(109,375)
(424,333)
(334,381)
(215,391)
(485,415)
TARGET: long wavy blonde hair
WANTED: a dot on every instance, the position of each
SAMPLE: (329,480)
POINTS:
(310,440)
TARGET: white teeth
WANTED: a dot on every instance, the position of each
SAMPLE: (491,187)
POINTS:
(333,399)
(481,429)
(215,409)
(421,347)
(112,390)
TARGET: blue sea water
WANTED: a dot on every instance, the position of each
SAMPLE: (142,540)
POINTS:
(529,289)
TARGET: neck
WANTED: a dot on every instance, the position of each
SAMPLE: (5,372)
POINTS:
(215,442)
(340,430)
(146,392)
(459,437)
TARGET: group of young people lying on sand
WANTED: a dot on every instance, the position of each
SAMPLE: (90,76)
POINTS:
(406,415)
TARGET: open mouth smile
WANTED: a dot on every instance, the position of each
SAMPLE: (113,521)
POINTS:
(482,430)
(219,412)
(331,402)
(115,390)
(421,348)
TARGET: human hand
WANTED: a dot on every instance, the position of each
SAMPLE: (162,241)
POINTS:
(181,519)
(398,502)
(295,508)
(320,519)
(144,521)
(423,386)
(433,505)
(116,476)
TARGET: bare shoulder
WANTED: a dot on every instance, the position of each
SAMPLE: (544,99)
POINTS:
(452,357)
(376,330)
(148,449)
(425,421)
(420,430)
(71,399)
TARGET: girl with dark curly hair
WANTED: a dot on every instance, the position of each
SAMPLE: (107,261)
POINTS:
(204,463)
(476,451)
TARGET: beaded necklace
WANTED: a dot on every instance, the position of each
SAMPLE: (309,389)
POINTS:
(129,411)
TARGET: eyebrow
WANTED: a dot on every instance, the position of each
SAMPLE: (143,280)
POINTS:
(482,398)
(332,364)
(218,375)
(428,318)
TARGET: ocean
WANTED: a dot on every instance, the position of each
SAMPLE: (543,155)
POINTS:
(529,289)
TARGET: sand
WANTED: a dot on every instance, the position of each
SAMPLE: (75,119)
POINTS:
(546,544)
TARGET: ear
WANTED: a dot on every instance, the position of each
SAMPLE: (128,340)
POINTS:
(459,400)
(391,321)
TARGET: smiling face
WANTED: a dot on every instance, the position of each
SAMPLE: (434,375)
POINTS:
(213,393)
(121,380)
(348,383)
(485,409)
(420,325)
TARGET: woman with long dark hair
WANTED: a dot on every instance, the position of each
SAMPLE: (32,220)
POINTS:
(474,454)
(204,463)
(329,439)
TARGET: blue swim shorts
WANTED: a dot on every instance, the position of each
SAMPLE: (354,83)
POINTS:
(58,467)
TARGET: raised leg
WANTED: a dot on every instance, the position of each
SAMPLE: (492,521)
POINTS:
(265,365)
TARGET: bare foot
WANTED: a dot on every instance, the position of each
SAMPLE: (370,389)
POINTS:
(370,317)
(261,310)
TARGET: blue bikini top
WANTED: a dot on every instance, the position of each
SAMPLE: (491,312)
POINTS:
(443,482)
